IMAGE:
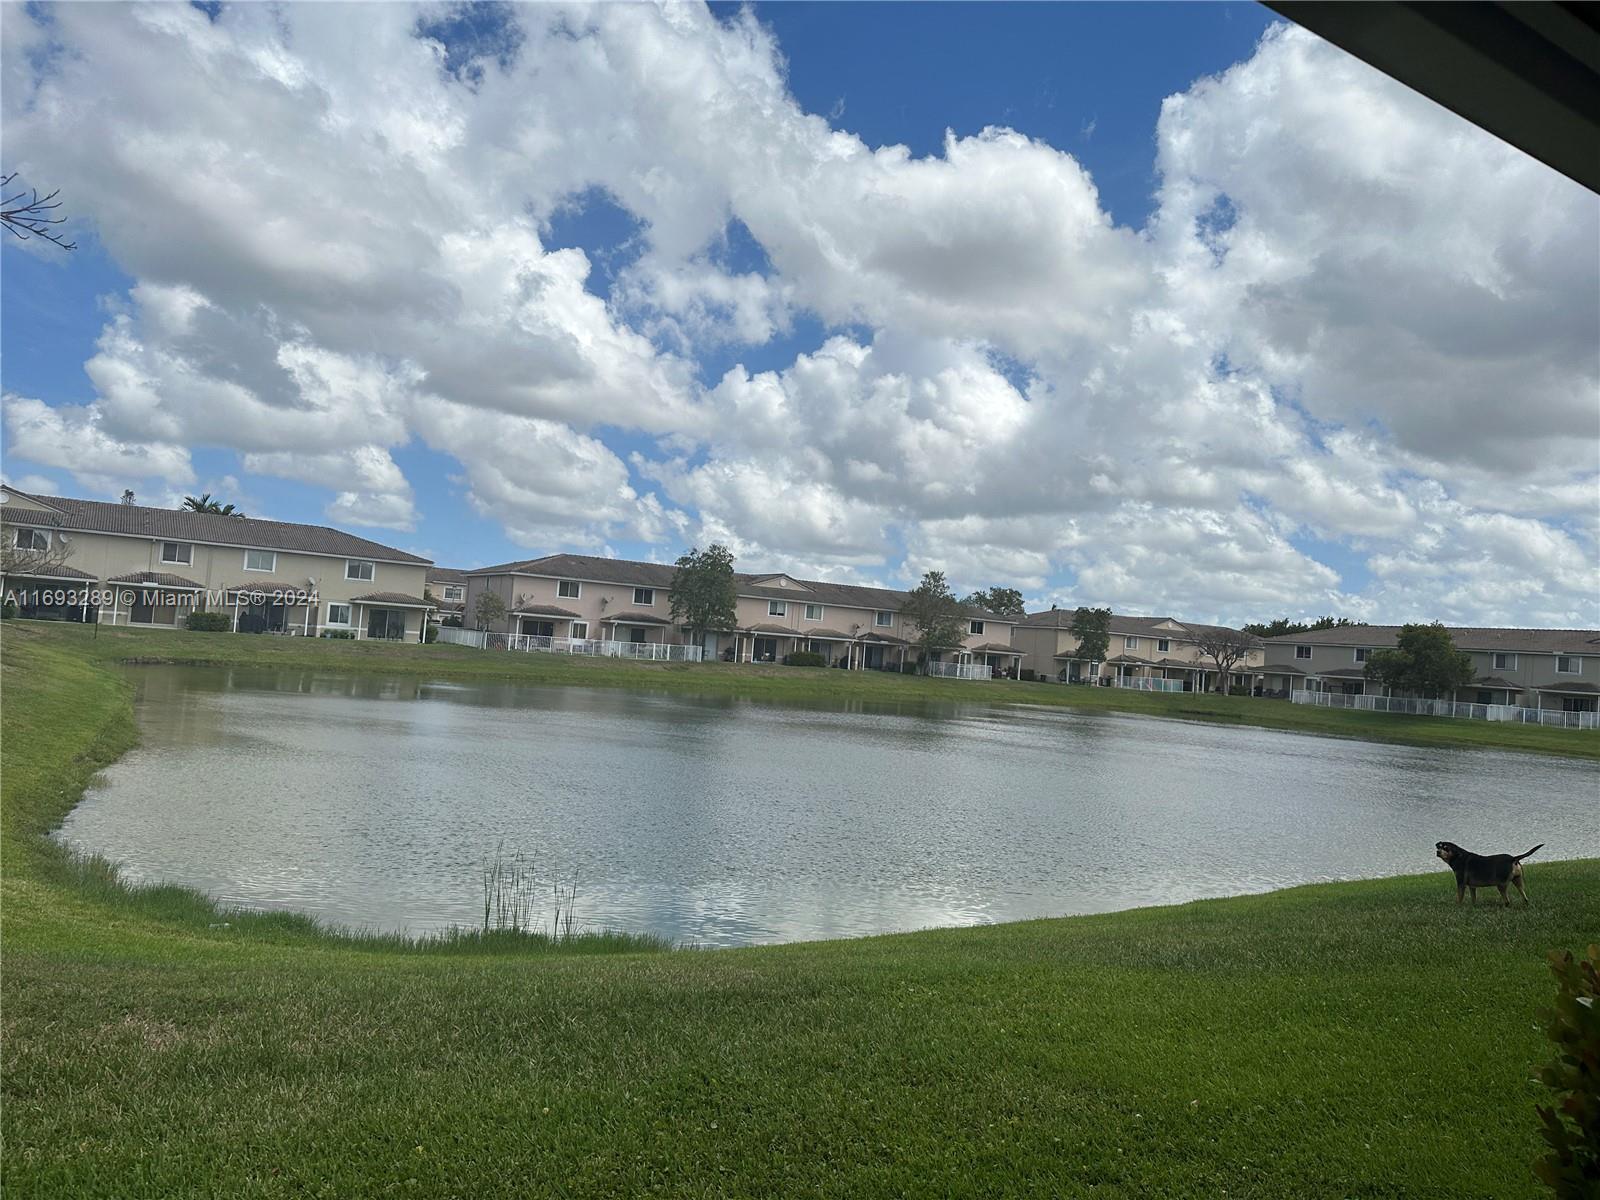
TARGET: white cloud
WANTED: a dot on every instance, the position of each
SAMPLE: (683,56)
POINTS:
(1354,318)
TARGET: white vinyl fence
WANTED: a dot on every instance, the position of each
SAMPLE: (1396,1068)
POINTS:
(1139,684)
(1449,708)
(967,670)
(594,647)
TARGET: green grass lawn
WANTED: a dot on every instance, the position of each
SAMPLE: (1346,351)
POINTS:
(1365,1039)
(786,683)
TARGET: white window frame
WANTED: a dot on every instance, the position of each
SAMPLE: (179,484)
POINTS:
(1163,645)
(579,631)
(777,608)
(349,613)
(268,570)
(453,591)
(974,626)
(1130,643)
(883,618)
(561,589)
(1503,661)
(814,612)
(32,542)
(1575,659)
(648,592)
(1302,652)
(178,562)
(1361,654)
(372,569)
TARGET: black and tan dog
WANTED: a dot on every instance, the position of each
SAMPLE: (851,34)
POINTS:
(1474,871)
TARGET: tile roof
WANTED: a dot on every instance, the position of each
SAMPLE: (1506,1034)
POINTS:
(53,573)
(591,568)
(546,610)
(1531,641)
(1125,626)
(159,579)
(635,618)
(136,520)
(398,599)
(995,648)
(446,575)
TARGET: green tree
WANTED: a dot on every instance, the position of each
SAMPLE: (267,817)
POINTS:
(1002,602)
(489,609)
(205,504)
(932,607)
(1283,626)
(1425,660)
(1092,628)
(703,596)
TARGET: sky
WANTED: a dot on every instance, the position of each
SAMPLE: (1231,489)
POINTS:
(1172,308)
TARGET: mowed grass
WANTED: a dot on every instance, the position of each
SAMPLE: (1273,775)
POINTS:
(1365,1039)
(758,681)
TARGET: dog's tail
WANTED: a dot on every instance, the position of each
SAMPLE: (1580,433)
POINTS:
(1529,853)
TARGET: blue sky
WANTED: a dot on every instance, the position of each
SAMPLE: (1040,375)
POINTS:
(1106,351)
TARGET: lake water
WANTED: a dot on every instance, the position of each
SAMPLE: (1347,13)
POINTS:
(373,804)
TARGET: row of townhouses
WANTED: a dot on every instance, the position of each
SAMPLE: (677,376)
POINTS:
(126,564)
(130,565)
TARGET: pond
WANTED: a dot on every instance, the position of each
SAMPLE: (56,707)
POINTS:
(374,804)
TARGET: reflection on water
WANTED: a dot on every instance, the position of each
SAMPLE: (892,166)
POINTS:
(373,802)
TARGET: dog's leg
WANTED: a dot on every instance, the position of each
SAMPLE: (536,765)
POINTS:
(1504,899)
(1516,881)
(1474,892)
(1461,890)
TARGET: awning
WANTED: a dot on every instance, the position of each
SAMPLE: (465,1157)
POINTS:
(159,579)
(547,610)
(390,600)
(634,618)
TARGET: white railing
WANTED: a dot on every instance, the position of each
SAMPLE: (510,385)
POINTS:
(1141,684)
(594,647)
(956,670)
(1449,708)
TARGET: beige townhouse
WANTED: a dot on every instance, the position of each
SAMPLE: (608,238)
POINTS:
(448,589)
(132,565)
(1553,669)
(1158,653)
(580,597)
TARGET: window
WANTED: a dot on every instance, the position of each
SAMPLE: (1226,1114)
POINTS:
(975,627)
(580,630)
(454,591)
(356,568)
(1130,643)
(645,596)
(1505,662)
(338,614)
(177,552)
(569,589)
(260,560)
(33,539)
(813,612)
(1363,653)
(883,617)
(1569,664)
(777,608)
(1163,644)
(1302,651)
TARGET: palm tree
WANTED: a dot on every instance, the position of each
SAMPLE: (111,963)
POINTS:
(205,504)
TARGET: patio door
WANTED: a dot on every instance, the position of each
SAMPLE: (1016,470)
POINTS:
(144,611)
(636,634)
(386,623)
(532,628)
(766,649)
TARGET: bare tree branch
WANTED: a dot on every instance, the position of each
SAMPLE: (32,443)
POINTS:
(26,214)
(1225,647)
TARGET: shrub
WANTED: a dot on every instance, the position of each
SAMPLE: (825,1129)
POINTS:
(343,635)
(1572,1124)
(208,622)
(1237,690)
(430,634)
(1027,675)
(8,610)
(453,621)
(805,658)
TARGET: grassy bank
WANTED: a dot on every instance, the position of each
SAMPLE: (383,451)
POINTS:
(1356,1039)
(784,683)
